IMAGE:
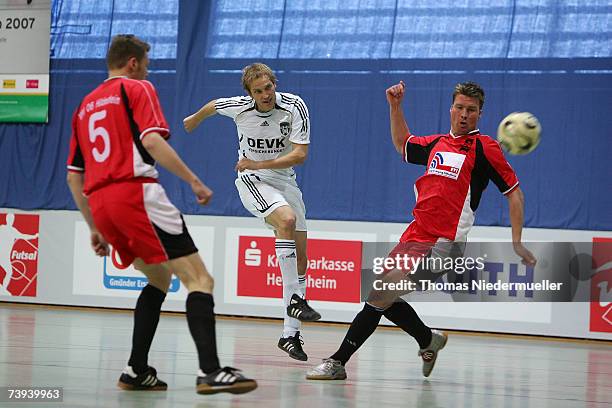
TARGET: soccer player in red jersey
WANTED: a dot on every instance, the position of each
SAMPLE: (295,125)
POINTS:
(459,165)
(118,134)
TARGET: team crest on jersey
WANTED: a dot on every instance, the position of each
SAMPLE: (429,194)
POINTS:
(285,128)
(446,164)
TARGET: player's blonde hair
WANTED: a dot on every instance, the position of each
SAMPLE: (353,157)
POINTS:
(255,71)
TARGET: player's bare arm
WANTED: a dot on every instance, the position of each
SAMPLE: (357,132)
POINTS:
(75,183)
(167,157)
(516,203)
(297,156)
(193,121)
(399,127)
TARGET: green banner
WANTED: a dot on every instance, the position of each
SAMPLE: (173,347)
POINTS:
(23,108)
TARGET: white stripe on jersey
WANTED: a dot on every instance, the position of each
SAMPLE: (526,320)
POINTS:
(141,83)
(153,129)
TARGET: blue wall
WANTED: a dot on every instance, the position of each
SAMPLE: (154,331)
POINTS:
(353,171)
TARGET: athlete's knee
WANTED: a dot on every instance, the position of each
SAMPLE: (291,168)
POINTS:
(381,299)
(161,281)
(382,303)
(287,221)
(203,281)
(207,281)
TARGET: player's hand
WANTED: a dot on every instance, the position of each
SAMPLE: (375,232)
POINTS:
(202,192)
(246,164)
(527,257)
(395,93)
(99,244)
(190,123)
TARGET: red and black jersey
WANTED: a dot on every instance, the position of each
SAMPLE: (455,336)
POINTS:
(107,132)
(458,171)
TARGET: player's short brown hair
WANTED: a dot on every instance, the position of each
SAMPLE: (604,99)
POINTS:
(471,89)
(123,47)
(255,71)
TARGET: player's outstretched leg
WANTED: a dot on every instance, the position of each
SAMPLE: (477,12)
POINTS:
(430,353)
(361,328)
(329,369)
(430,341)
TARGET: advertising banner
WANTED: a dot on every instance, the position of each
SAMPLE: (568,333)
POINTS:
(334,269)
(601,286)
(18,254)
(24,60)
(106,276)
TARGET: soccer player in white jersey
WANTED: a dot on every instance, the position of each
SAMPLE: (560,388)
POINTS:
(274,133)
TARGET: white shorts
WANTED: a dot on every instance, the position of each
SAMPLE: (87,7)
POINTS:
(260,196)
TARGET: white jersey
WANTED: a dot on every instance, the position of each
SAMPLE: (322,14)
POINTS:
(268,135)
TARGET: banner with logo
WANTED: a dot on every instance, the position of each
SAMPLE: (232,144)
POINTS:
(107,276)
(334,269)
(601,286)
(24,60)
(18,254)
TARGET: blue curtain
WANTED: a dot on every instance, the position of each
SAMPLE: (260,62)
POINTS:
(550,58)
(82,29)
(374,29)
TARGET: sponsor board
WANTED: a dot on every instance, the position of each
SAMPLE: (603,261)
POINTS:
(334,269)
(106,276)
(600,316)
(25,39)
(18,254)
(320,279)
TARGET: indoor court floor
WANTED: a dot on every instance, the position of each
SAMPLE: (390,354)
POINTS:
(84,350)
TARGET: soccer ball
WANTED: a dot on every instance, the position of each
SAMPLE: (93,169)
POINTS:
(519,133)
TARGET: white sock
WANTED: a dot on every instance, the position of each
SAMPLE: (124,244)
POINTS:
(302,285)
(287,261)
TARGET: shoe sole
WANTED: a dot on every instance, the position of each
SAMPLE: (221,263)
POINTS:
(310,319)
(298,358)
(293,357)
(325,377)
(240,388)
(130,387)
(433,363)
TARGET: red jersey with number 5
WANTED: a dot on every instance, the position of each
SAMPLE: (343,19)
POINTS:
(458,171)
(107,132)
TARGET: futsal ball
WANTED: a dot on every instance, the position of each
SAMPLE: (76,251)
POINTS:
(519,133)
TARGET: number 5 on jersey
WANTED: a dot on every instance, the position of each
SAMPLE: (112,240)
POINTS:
(95,132)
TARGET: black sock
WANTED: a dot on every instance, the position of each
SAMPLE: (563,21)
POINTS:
(146,317)
(405,317)
(362,327)
(201,321)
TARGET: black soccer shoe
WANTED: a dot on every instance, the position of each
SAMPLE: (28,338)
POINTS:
(226,379)
(146,381)
(299,309)
(293,347)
